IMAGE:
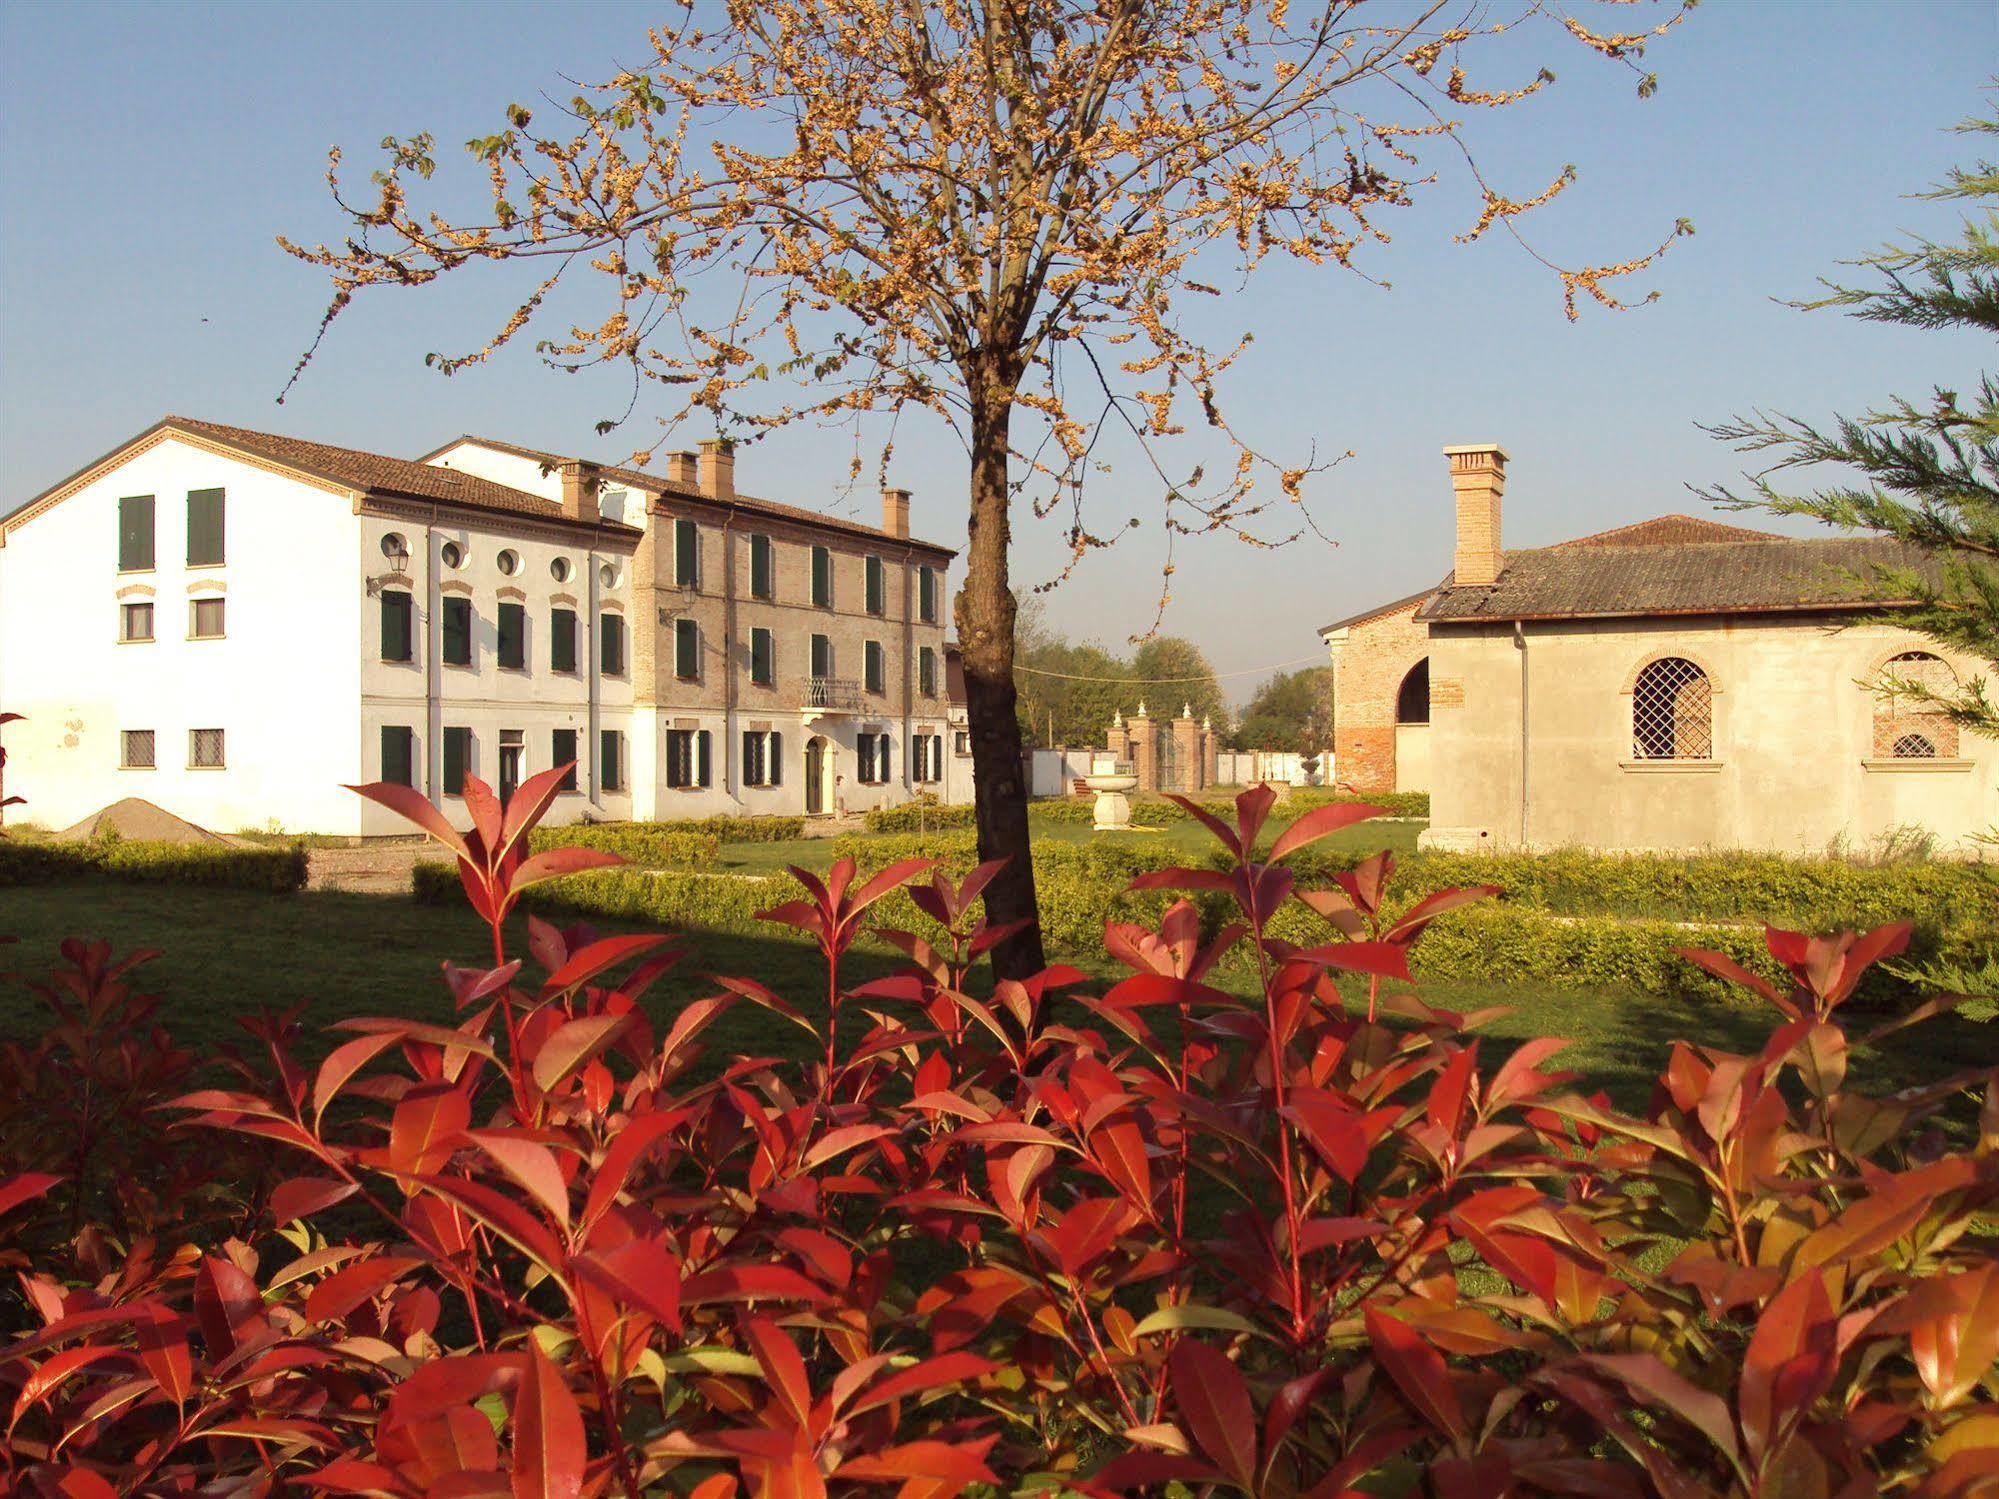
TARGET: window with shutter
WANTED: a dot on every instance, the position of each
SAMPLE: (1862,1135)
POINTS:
(513,643)
(704,766)
(135,534)
(822,657)
(686,650)
(457,759)
(864,759)
(398,754)
(204,528)
(877,587)
(562,640)
(926,671)
(686,554)
(562,751)
(611,744)
(926,595)
(822,578)
(753,748)
(874,667)
(398,625)
(763,663)
(762,579)
(611,636)
(457,622)
(205,619)
(776,759)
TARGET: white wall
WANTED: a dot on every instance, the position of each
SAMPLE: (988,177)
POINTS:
(282,684)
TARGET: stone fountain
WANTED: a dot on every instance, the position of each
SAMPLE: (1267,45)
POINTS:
(1111,778)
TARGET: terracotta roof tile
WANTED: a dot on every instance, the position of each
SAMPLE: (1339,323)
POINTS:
(660,484)
(1625,578)
(377,473)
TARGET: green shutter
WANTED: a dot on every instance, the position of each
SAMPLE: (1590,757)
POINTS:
(686,649)
(822,577)
(876,586)
(926,592)
(458,632)
(562,641)
(774,766)
(397,634)
(760,570)
(822,657)
(562,751)
(398,754)
(135,533)
(204,528)
(457,752)
(686,554)
(611,629)
(513,635)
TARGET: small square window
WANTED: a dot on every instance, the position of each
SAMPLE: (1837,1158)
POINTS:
(204,749)
(206,619)
(136,749)
(135,622)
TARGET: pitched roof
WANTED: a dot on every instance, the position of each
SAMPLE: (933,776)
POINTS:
(1677,529)
(374,474)
(1753,574)
(660,484)
(1377,611)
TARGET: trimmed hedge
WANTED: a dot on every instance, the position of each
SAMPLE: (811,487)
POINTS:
(1153,810)
(918,817)
(224,865)
(653,845)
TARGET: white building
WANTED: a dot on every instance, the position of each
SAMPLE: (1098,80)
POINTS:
(235,625)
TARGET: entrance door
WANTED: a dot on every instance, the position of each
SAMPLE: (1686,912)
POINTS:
(815,776)
(511,750)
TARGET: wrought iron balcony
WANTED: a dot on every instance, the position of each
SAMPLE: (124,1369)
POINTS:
(831,695)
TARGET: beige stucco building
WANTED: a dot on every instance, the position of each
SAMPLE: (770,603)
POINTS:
(1677,684)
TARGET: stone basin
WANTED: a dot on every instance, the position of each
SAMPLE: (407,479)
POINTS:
(1113,809)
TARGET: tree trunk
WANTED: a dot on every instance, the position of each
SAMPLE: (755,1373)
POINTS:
(985,617)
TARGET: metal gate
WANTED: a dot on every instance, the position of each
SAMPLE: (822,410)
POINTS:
(1173,771)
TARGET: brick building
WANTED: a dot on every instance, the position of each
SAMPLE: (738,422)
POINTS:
(1674,684)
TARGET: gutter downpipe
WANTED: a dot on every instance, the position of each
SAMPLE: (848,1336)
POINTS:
(433,643)
(1520,645)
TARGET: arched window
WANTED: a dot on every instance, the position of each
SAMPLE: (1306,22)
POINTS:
(1906,726)
(1412,702)
(1672,712)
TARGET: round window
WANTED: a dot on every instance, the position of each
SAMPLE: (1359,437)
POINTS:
(510,562)
(452,554)
(394,546)
(559,569)
(608,575)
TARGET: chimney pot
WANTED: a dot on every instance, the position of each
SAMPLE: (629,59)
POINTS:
(895,511)
(682,468)
(1478,480)
(581,481)
(718,469)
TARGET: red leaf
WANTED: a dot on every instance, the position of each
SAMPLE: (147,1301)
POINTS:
(552,863)
(25,1187)
(638,1273)
(1386,959)
(784,1369)
(161,1336)
(531,1164)
(1418,1370)
(341,1064)
(303,1196)
(930,1374)
(897,874)
(1321,822)
(531,802)
(748,1283)
(413,806)
(574,1044)
(1789,1363)
(1215,1404)
(549,1451)
(344,1290)
(424,1131)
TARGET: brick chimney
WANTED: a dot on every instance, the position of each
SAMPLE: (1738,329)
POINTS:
(1478,478)
(580,483)
(718,469)
(681,469)
(895,511)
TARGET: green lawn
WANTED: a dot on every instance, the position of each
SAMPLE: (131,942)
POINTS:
(231,953)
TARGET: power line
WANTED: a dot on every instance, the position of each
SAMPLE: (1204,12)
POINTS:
(1247,671)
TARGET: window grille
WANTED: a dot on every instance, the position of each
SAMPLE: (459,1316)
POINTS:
(1907,723)
(1672,712)
(204,749)
(1915,747)
(138,749)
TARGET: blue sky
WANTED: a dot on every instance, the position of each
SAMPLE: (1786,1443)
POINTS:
(149,154)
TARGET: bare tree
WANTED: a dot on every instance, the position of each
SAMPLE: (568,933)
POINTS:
(992,210)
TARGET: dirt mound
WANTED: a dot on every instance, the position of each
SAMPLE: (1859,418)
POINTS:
(141,821)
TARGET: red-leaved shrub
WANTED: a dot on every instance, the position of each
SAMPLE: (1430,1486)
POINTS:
(1013,1237)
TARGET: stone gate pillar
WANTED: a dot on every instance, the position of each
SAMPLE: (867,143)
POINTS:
(1210,751)
(1144,749)
(1187,750)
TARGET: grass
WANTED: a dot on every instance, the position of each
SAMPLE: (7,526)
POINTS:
(228,953)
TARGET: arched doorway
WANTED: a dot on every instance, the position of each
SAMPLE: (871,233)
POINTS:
(1412,729)
(818,775)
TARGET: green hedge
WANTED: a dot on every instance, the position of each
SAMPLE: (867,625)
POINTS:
(242,868)
(654,845)
(918,817)
(1152,810)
